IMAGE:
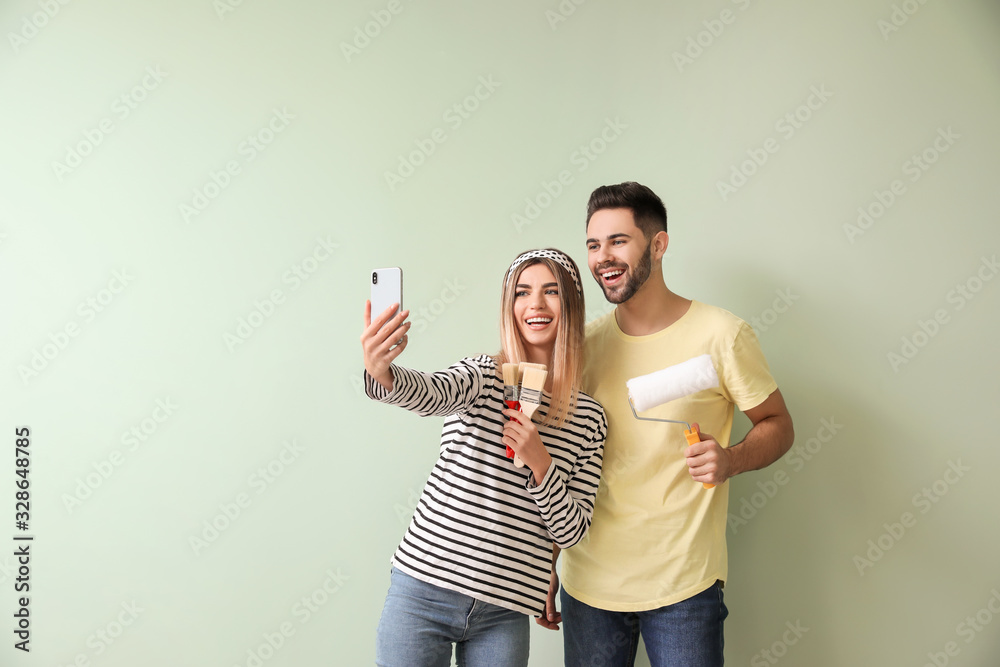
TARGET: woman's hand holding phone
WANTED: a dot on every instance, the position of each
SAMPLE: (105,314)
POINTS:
(383,339)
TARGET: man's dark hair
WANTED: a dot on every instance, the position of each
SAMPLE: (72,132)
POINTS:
(648,210)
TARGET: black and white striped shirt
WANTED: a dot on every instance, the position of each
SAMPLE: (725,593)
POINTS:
(482,527)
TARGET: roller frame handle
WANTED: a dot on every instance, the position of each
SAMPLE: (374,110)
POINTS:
(692,435)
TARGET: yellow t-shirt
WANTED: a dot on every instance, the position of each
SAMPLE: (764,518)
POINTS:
(658,537)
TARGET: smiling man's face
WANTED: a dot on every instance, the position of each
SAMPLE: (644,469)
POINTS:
(618,253)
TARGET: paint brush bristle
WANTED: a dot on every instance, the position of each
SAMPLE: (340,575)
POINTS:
(511,378)
(531,387)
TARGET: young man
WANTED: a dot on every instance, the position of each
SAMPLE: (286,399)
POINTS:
(654,562)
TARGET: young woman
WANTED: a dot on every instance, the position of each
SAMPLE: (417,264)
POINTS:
(475,560)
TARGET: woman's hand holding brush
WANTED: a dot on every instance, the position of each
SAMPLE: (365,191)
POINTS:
(708,461)
(521,435)
(383,339)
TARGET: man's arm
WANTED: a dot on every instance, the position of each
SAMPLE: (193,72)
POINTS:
(771,436)
(767,441)
(551,618)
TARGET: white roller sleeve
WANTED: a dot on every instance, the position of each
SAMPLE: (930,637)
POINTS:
(672,382)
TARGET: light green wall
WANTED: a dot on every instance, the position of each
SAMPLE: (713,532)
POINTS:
(344,492)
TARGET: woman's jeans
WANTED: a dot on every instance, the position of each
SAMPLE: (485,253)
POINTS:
(420,623)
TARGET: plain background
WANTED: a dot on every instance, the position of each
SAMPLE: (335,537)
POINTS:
(182,340)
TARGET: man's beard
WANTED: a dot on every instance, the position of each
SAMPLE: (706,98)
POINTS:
(633,279)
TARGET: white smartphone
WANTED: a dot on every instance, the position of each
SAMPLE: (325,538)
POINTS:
(387,289)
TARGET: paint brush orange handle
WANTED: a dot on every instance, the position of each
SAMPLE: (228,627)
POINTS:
(694,436)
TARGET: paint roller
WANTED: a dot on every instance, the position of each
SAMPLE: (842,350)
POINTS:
(669,384)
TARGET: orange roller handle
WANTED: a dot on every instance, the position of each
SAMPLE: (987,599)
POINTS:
(694,436)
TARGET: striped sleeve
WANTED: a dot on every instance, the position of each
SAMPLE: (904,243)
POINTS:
(446,392)
(567,505)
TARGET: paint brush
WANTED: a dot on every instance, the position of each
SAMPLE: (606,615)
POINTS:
(532,381)
(511,379)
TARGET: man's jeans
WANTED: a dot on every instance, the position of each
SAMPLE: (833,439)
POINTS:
(686,634)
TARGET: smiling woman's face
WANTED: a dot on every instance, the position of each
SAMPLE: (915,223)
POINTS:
(537,308)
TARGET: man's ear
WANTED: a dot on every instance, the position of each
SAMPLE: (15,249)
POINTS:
(659,245)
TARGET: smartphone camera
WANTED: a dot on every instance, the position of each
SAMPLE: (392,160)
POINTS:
(374,277)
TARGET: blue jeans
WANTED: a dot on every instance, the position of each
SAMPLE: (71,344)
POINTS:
(420,623)
(686,634)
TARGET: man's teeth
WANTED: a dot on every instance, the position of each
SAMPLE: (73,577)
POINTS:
(613,274)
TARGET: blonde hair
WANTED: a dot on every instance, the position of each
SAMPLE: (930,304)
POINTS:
(566,363)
